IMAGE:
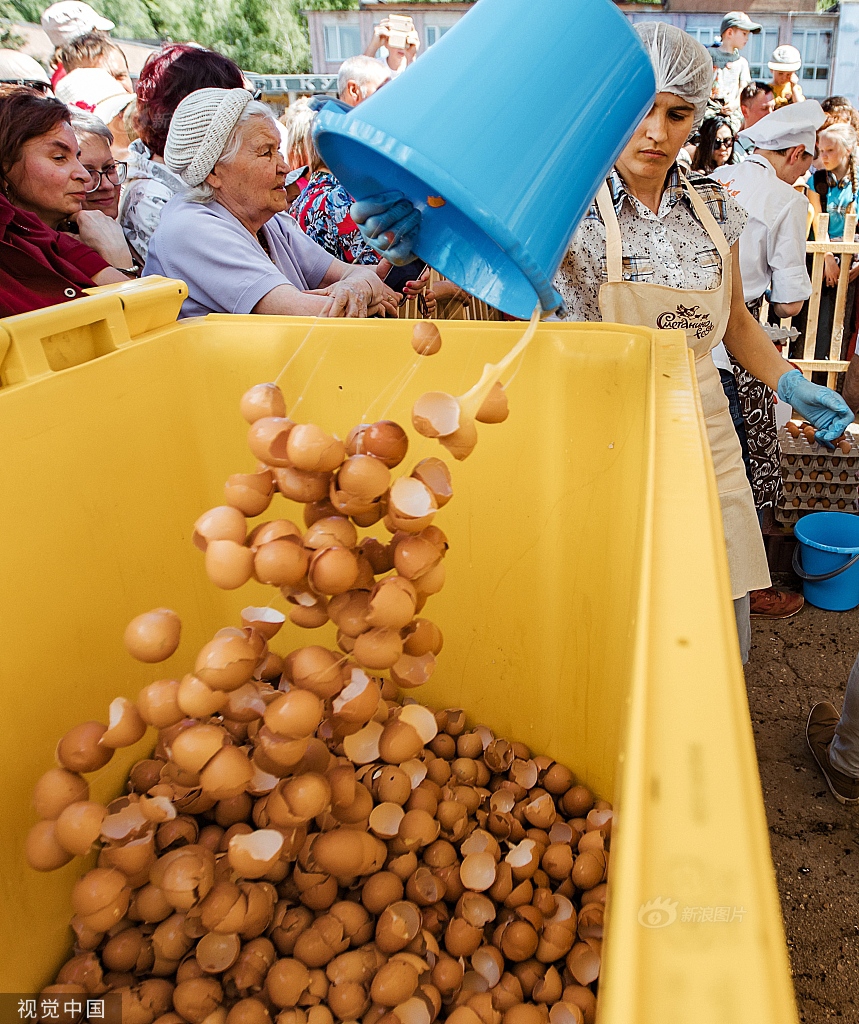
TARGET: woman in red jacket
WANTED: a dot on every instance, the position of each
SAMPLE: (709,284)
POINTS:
(39,170)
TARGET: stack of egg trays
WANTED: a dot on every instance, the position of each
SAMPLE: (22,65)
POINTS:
(816,479)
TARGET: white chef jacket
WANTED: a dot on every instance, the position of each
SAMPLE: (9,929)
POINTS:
(772,246)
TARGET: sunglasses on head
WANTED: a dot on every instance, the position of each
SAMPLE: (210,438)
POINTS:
(42,87)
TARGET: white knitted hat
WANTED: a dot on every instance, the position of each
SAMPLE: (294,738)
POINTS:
(199,130)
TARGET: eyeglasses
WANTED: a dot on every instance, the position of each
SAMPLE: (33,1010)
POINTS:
(42,87)
(723,143)
(115,174)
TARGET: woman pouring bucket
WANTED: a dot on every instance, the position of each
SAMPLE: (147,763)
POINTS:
(659,249)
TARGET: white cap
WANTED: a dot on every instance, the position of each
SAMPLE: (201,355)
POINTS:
(69,19)
(199,130)
(785,58)
(18,67)
(95,90)
(794,124)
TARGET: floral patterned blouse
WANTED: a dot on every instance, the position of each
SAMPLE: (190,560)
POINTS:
(148,189)
(322,212)
(670,247)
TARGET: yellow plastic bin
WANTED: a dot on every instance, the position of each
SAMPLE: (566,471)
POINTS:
(586,611)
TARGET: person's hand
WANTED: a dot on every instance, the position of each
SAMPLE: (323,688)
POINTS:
(831,270)
(413,288)
(382,32)
(359,296)
(854,273)
(389,223)
(103,234)
(822,407)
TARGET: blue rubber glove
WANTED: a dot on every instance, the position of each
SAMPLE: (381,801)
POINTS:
(389,223)
(823,408)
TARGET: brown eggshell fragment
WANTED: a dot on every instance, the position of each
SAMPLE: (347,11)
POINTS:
(250,493)
(364,477)
(392,603)
(397,926)
(410,671)
(414,556)
(217,953)
(358,700)
(229,565)
(311,449)
(384,440)
(266,621)
(262,400)
(80,750)
(227,774)
(316,669)
(125,726)
(462,442)
(378,649)
(226,662)
(281,563)
(153,636)
(435,474)
(43,850)
(56,790)
(494,408)
(294,714)
(436,414)
(197,700)
(157,703)
(221,523)
(267,439)
(426,339)
(253,855)
(192,748)
(332,570)
(422,637)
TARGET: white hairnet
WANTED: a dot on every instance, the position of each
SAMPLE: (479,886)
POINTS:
(681,64)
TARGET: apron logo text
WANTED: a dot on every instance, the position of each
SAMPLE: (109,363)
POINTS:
(686,319)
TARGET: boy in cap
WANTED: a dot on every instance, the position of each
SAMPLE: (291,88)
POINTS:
(785,63)
(772,258)
(64,22)
(731,72)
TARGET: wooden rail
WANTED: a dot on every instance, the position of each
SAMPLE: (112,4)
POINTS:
(471,309)
(818,249)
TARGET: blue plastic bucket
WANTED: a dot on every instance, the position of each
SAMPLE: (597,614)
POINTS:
(827,559)
(512,120)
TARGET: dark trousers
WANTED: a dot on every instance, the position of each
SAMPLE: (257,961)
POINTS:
(729,386)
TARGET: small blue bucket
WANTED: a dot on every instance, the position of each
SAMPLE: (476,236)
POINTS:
(500,134)
(827,559)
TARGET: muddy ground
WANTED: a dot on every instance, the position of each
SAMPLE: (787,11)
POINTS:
(815,840)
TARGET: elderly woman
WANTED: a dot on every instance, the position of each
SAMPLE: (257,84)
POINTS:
(659,249)
(168,76)
(42,182)
(227,238)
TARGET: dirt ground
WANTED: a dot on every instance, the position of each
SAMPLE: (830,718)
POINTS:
(815,840)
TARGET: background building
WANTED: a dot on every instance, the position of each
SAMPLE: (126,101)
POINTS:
(828,41)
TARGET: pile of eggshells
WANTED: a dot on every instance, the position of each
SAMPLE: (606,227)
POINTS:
(302,847)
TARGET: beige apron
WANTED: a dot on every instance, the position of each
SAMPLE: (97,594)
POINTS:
(703,315)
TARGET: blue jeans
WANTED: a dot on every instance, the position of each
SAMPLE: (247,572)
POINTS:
(844,752)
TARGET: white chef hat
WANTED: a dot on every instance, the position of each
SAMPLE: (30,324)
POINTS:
(199,130)
(680,63)
(794,124)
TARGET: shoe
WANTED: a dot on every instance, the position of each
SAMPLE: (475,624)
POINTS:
(774,603)
(819,733)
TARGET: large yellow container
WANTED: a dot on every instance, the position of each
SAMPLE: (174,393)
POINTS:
(586,613)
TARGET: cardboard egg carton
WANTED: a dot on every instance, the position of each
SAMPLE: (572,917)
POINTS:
(789,516)
(800,458)
(818,503)
(821,488)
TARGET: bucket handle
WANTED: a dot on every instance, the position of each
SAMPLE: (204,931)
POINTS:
(811,578)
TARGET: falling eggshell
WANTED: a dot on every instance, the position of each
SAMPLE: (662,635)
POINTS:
(330,532)
(364,477)
(332,570)
(195,746)
(281,563)
(197,700)
(226,662)
(250,493)
(494,408)
(414,556)
(422,637)
(267,439)
(392,603)
(229,565)
(157,703)
(56,790)
(422,720)
(378,648)
(399,741)
(79,826)
(362,747)
(43,850)
(125,726)
(426,339)
(411,504)
(384,440)
(311,449)
(226,774)
(80,750)
(348,611)
(302,485)
(436,414)
(357,702)
(294,714)
(435,475)
(153,636)
(221,523)
(266,621)
(262,400)
(316,669)
(462,442)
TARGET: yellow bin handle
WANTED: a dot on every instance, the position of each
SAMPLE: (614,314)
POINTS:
(37,344)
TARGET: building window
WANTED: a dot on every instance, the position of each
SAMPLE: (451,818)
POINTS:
(759,52)
(815,45)
(435,32)
(342,41)
(706,35)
